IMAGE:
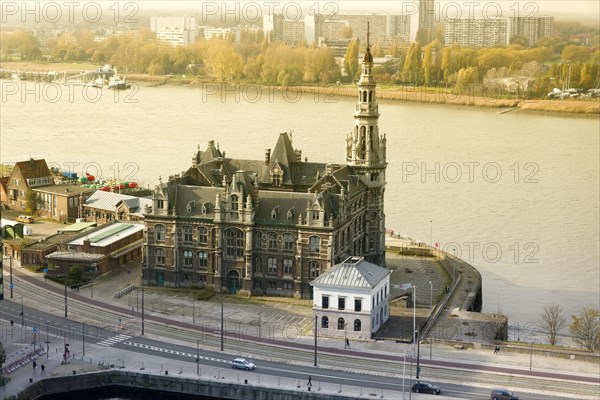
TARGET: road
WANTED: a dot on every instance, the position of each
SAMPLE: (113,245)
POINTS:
(120,328)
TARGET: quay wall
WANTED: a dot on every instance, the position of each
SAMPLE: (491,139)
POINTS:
(168,384)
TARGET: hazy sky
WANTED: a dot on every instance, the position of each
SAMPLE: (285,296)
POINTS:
(589,9)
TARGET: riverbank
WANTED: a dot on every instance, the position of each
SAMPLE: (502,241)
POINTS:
(428,95)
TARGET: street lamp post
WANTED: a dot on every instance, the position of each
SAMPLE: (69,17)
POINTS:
(22,313)
(403,371)
(431,295)
(431,234)
(193,311)
(414,318)
(316,319)
(221,324)
(259,322)
(453,264)
(10,260)
(65,281)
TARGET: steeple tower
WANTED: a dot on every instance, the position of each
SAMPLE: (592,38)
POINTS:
(365,153)
(365,148)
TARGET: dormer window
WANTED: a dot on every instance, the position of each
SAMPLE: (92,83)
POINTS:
(275,213)
(160,204)
(190,206)
(276,176)
(315,213)
(290,214)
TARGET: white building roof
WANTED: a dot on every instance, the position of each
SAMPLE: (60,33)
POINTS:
(108,201)
(109,234)
(354,272)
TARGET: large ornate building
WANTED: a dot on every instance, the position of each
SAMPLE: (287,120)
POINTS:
(271,226)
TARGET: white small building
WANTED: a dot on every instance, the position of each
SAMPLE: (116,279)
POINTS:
(351,299)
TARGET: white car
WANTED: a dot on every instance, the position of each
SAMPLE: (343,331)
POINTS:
(242,363)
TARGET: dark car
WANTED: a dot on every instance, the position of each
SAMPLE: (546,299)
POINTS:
(503,394)
(424,387)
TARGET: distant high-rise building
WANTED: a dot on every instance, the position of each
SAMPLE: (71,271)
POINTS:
(383,28)
(476,32)
(533,28)
(177,31)
(426,19)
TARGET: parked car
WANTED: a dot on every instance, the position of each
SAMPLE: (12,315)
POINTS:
(242,363)
(25,218)
(425,387)
(503,394)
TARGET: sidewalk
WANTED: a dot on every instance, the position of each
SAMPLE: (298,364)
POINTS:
(251,311)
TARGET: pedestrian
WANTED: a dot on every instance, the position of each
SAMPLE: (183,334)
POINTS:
(309,381)
(43,367)
(34,365)
(347,343)
(497,349)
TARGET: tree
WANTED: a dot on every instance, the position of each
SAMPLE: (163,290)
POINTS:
(552,321)
(32,202)
(75,273)
(412,64)
(351,59)
(520,40)
(585,328)
(347,32)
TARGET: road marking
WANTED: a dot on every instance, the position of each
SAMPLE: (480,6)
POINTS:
(113,340)
(163,350)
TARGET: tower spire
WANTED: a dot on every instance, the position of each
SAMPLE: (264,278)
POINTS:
(368,34)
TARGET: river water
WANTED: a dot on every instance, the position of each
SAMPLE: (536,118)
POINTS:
(516,194)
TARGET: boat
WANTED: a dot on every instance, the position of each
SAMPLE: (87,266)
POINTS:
(97,83)
(116,83)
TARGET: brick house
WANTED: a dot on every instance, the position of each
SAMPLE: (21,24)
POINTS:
(26,175)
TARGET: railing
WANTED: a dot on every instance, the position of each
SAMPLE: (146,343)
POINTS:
(124,292)
(18,363)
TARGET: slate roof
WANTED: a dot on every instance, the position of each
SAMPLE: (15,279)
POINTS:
(354,272)
(196,197)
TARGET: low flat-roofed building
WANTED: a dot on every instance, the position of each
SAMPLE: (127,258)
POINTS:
(351,299)
(99,251)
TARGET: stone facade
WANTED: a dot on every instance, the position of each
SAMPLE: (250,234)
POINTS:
(271,226)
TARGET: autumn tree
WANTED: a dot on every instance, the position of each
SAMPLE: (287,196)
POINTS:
(573,53)
(223,61)
(351,60)
(413,64)
(552,322)
(585,328)
(32,202)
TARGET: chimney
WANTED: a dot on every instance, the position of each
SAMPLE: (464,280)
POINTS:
(86,246)
(267,156)
(298,155)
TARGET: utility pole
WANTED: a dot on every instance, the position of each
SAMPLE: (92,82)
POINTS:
(142,311)
(316,319)
(221,324)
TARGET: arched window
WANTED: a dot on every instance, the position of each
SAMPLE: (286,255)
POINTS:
(341,324)
(202,235)
(188,233)
(313,269)
(314,244)
(272,240)
(160,231)
(325,322)
(357,325)
(258,239)
(288,266)
(159,256)
(202,259)
(288,241)
(234,243)
(234,203)
(188,258)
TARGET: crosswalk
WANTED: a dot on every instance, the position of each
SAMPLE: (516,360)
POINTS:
(113,340)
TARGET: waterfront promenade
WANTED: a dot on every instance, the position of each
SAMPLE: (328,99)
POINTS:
(251,312)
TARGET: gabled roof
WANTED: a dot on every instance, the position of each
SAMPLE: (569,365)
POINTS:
(354,272)
(33,169)
(109,201)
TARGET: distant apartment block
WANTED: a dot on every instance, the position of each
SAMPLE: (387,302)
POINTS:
(178,31)
(477,32)
(313,28)
(426,19)
(533,28)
